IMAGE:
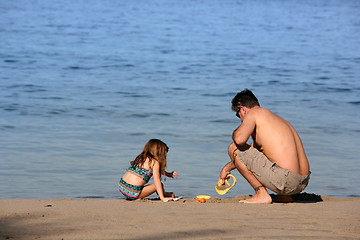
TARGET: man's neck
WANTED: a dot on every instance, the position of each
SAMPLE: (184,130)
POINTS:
(254,107)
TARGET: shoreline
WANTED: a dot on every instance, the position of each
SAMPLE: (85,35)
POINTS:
(184,219)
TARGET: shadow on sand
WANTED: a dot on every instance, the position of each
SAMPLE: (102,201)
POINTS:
(299,198)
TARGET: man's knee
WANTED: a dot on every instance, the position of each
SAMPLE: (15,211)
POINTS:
(231,150)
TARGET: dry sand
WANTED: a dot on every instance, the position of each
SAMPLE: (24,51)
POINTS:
(312,217)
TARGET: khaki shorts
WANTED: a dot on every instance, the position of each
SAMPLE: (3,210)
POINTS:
(273,177)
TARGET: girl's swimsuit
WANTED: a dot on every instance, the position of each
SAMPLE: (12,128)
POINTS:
(132,192)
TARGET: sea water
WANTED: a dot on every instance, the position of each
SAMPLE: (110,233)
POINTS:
(85,84)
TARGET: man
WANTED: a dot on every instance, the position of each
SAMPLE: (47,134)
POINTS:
(276,159)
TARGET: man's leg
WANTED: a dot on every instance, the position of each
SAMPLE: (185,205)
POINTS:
(261,194)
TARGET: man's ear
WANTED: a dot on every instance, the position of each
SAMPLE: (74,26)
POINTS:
(245,110)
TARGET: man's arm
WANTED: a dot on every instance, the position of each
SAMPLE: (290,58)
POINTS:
(225,171)
(244,131)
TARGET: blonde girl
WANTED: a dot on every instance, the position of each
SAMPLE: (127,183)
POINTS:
(150,162)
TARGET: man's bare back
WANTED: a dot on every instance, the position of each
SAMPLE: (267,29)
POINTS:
(277,139)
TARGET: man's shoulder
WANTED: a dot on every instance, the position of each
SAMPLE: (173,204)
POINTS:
(263,115)
(258,114)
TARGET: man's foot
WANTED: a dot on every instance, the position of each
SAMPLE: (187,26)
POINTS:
(261,196)
(257,199)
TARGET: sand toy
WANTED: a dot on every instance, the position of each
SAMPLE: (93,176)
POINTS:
(203,196)
(222,189)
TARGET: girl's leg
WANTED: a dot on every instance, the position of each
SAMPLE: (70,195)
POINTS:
(147,191)
(150,189)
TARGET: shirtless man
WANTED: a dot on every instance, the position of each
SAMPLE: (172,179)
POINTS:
(276,159)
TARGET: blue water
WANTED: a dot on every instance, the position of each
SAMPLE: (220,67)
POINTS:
(85,84)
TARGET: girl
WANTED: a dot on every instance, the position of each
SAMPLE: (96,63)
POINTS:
(150,162)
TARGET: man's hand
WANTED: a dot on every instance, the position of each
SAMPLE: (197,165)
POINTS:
(224,175)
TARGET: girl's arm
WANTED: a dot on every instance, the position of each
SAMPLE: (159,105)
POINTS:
(157,182)
(172,174)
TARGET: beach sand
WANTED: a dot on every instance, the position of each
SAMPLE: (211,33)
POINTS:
(309,217)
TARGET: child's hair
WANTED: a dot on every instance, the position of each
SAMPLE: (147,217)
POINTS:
(156,150)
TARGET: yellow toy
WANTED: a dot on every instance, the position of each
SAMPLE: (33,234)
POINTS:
(222,189)
(203,196)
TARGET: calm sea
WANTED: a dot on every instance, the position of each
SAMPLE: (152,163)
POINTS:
(85,84)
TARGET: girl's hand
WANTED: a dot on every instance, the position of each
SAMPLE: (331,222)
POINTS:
(174,174)
(167,199)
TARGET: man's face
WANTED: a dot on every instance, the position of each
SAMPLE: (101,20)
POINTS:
(240,113)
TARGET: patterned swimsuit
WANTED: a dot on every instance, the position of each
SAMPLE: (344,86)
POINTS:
(132,192)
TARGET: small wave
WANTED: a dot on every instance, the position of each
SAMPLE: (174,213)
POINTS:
(29,88)
(11,108)
(356,60)
(136,134)
(117,66)
(78,68)
(323,78)
(335,188)
(179,89)
(51,98)
(7,127)
(274,82)
(326,130)
(353,195)
(336,89)
(167,51)
(138,115)
(170,134)
(218,94)
(222,121)
(161,114)
(10,61)
(128,65)
(354,102)
(146,115)
(133,95)
(57,112)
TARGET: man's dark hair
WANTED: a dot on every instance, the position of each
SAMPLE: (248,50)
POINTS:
(244,98)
